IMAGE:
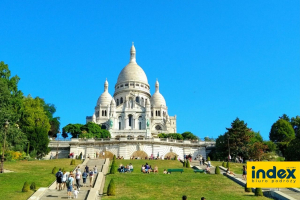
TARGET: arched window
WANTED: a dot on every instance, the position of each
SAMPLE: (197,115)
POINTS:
(151,113)
(103,126)
(117,102)
(102,112)
(158,113)
(137,99)
(140,122)
(105,113)
(97,114)
(120,123)
(121,100)
(130,120)
(158,127)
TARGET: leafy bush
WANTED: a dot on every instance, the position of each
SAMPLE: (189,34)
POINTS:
(223,164)
(175,158)
(54,170)
(280,158)
(258,192)
(111,189)
(79,157)
(208,158)
(113,169)
(114,158)
(228,165)
(188,164)
(217,170)
(26,187)
(247,189)
(32,186)
(33,154)
(72,162)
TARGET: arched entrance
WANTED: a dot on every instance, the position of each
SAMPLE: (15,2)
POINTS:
(139,155)
(170,155)
(107,154)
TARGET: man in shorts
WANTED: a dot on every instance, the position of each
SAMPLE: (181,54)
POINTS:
(59,176)
(78,177)
(70,183)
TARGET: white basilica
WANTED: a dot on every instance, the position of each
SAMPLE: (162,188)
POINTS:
(132,111)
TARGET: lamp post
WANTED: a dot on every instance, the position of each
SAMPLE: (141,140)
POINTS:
(2,159)
(57,144)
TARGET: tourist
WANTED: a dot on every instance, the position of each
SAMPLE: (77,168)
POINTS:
(155,169)
(84,176)
(70,183)
(75,192)
(87,169)
(244,172)
(229,172)
(203,198)
(130,167)
(64,179)
(91,175)
(143,169)
(59,176)
(127,168)
(121,168)
(95,169)
(165,171)
(51,156)
(207,170)
(78,177)
(201,160)
(208,163)
(184,197)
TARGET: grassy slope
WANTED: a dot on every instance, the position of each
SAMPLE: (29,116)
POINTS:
(32,171)
(172,186)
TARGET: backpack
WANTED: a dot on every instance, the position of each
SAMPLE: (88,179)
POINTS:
(84,175)
(59,174)
(68,182)
(91,173)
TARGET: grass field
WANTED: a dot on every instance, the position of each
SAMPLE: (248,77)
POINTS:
(237,168)
(137,185)
(32,171)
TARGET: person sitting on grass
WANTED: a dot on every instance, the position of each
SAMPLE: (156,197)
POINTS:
(229,172)
(165,171)
(155,169)
(143,169)
(130,167)
(207,170)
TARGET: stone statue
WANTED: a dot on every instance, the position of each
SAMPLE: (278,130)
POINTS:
(148,123)
(111,123)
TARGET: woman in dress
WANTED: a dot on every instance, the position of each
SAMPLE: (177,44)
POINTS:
(244,172)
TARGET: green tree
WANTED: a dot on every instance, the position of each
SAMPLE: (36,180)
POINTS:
(189,136)
(54,121)
(271,146)
(295,122)
(293,150)
(282,133)
(207,139)
(35,123)
(257,150)
(74,129)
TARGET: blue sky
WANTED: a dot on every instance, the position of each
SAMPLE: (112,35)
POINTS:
(215,60)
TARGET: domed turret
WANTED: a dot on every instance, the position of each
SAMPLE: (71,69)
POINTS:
(105,98)
(157,99)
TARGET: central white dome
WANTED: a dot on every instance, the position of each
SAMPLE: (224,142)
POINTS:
(132,72)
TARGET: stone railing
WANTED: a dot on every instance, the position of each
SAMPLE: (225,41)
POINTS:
(136,139)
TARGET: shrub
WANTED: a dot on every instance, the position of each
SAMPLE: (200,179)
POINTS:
(223,164)
(247,189)
(280,158)
(79,157)
(175,158)
(54,170)
(113,169)
(228,165)
(26,187)
(114,158)
(72,162)
(111,189)
(208,158)
(184,165)
(188,164)
(32,186)
(217,170)
(258,192)
(113,163)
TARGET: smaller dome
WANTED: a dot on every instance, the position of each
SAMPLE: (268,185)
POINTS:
(113,102)
(157,99)
(105,98)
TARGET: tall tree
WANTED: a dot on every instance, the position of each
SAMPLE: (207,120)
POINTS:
(35,123)
(189,136)
(295,122)
(292,152)
(54,121)
(257,150)
(74,129)
(282,133)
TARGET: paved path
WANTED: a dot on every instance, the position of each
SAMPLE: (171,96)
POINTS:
(52,194)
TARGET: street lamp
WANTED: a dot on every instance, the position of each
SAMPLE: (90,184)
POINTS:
(57,144)
(2,159)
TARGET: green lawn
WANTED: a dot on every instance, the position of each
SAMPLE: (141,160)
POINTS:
(237,168)
(137,185)
(32,171)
